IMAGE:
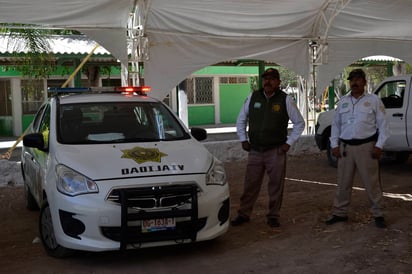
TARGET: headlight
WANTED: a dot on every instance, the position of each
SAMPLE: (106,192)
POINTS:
(216,174)
(71,183)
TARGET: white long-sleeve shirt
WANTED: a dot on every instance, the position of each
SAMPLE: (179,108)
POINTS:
(293,112)
(359,119)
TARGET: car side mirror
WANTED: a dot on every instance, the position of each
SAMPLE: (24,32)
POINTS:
(198,133)
(34,140)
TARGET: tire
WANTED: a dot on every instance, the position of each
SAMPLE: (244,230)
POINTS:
(29,200)
(48,237)
(333,161)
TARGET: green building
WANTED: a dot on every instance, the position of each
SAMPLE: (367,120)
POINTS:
(214,94)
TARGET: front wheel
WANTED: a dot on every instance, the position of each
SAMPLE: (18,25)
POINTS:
(47,235)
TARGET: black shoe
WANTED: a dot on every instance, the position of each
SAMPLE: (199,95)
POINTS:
(273,222)
(336,219)
(239,220)
(380,222)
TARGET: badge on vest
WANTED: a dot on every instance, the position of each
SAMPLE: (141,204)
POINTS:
(257,105)
(276,108)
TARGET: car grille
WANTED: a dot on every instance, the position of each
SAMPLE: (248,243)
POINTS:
(152,197)
(151,203)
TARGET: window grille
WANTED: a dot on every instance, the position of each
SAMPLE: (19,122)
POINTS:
(32,95)
(199,90)
(233,80)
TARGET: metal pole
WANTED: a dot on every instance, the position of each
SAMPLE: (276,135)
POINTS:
(79,67)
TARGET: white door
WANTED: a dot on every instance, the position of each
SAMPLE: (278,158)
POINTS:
(395,99)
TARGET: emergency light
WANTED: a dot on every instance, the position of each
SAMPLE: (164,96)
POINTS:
(141,90)
(130,90)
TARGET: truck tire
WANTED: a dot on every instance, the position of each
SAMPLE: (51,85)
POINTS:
(333,161)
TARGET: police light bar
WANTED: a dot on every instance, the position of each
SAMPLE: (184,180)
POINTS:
(141,90)
(68,90)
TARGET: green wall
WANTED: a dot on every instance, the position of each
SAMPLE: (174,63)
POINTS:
(228,70)
(201,115)
(26,120)
(232,97)
(6,126)
(8,71)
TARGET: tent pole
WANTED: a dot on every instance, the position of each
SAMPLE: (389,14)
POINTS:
(331,96)
(261,70)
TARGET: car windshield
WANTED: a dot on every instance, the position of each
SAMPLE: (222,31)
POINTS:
(117,122)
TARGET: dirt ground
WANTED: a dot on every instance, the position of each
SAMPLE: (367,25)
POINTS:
(303,243)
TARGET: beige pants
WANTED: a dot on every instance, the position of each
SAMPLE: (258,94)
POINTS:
(358,159)
(273,162)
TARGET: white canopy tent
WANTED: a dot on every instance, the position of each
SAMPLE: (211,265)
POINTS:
(104,21)
(177,37)
(187,35)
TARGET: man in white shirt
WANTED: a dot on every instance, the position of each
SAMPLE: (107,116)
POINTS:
(359,131)
(267,112)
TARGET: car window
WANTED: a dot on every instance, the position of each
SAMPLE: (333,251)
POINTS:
(37,118)
(117,122)
(44,126)
(392,94)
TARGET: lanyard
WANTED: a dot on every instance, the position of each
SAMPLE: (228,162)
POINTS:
(354,103)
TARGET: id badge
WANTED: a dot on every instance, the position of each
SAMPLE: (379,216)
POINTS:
(351,119)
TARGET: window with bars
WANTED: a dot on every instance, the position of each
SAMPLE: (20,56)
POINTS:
(111,82)
(55,83)
(233,80)
(199,90)
(32,95)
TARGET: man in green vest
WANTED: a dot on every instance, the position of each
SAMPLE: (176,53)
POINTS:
(267,113)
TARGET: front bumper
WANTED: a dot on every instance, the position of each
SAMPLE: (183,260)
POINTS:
(99,222)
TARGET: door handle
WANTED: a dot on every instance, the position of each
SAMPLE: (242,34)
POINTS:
(397,115)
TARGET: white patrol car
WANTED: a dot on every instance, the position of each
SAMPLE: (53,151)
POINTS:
(118,170)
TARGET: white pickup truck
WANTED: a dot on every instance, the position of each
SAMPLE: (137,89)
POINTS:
(395,93)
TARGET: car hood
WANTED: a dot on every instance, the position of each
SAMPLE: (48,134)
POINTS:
(108,161)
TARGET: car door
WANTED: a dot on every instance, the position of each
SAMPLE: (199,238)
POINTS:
(35,159)
(30,167)
(395,98)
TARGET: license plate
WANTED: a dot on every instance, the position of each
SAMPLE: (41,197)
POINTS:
(153,225)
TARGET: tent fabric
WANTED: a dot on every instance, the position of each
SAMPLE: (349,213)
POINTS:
(67,44)
(186,35)
(169,64)
(91,14)
(340,56)
(104,21)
